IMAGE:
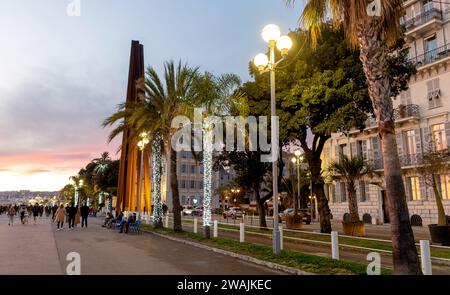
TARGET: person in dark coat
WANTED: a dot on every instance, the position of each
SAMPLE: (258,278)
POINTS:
(71,213)
(36,210)
(84,215)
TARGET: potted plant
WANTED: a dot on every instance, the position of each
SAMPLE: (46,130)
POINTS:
(433,165)
(351,170)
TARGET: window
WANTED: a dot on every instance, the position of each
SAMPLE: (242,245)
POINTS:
(200,184)
(192,169)
(430,47)
(427,5)
(183,200)
(343,192)
(410,140)
(434,94)
(192,183)
(405,97)
(362,190)
(201,169)
(183,184)
(445,186)
(439,137)
(342,150)
(414,188)
(183,168)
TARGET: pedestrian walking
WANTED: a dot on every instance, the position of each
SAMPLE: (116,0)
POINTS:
(77,216)
(60,216)
(72,213)
(22,212)
(84,215)
(11,213)
(36,210)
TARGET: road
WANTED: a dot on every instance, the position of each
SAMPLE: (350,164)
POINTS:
(40,249)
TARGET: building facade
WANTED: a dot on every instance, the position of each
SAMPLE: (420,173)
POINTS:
(422,123)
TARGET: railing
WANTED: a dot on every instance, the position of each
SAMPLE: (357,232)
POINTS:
(432,56)
(410,160)
(407,111)
(422,18)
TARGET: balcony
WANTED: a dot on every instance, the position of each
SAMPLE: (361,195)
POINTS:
(432,56)
(402,114)
(428,20)
(406,113)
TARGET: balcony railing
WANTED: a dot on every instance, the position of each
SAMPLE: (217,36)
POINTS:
(402,112)
(421,19)
(405,161)
(432,56)
(406,111)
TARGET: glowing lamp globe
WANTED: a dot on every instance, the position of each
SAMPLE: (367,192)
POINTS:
(271,33)
(298,153)
(284,44)
(294,160)
(261,61)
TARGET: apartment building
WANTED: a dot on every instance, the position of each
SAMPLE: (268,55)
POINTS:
(422,122)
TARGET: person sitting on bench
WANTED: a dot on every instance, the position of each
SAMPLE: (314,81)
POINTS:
(126,223)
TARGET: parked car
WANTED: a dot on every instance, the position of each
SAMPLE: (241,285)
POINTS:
(188,210)
(290,211)
(198,211)
(234,213)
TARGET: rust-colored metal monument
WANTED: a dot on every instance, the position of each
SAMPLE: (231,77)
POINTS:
(128,192)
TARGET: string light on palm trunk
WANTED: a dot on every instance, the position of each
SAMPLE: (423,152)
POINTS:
(207,174)
(156,180)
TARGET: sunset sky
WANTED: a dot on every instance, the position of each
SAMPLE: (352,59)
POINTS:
(60,76)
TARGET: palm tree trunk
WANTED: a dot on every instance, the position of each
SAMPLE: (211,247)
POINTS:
(442,219)
(156,186)
(177,226)
(373,53)
(353,203)
(318,190)
(261,210)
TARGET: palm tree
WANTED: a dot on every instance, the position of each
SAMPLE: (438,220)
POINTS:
(352,170)
(214,95)
(373,35)
(102,162)
(159,104)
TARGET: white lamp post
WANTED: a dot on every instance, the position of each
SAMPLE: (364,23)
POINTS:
(272,35)
(145,140)
(297,161)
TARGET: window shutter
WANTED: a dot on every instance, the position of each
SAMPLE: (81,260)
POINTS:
(337,193)
(423,189)
(430,90)
(354,152)
(364,149)
(447,132)
(427,141)
(399,139)
(377,156)
(418,141)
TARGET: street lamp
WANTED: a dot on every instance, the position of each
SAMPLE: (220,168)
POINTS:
(297,160)
(235,192)
(272,35)
(145,140)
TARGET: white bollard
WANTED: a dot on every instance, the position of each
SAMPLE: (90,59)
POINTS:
(167,221)
(425,256)
(195,226)
(242,233)
(335,245)
(281,237)
(216,229)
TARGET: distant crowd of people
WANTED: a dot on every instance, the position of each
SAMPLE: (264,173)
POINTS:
(69,214)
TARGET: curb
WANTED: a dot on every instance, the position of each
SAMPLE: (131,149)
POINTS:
(271,265)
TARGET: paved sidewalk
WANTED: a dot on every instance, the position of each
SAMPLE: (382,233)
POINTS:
(28,249)
(41,250)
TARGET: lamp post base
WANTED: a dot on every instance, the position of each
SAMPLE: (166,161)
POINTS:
(276,241)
